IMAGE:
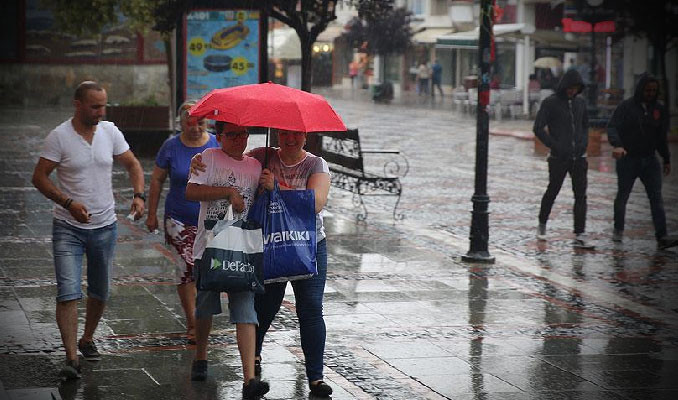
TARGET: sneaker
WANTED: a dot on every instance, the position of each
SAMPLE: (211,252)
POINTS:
(320,389)
(89,351)
(257,367)
(666,242)
(580,242)
(617,236)
(541,232)
(254,389)
(71,370)
(199,370)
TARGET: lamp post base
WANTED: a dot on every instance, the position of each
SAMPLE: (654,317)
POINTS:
(483,257)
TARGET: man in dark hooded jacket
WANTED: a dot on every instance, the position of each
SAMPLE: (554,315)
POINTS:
(562,125)
(636,131)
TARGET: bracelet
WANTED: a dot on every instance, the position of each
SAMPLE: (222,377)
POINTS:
(67,203)
(140,196)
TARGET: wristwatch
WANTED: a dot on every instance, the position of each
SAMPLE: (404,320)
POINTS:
(140,196)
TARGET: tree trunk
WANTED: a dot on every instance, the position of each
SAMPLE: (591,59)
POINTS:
(306,62)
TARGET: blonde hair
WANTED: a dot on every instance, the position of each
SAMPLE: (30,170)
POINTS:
(183,110)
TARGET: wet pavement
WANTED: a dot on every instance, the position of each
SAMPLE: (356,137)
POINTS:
(406,318)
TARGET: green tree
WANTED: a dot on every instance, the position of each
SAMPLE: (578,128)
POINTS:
(380,28)
(88,18)
(309,18)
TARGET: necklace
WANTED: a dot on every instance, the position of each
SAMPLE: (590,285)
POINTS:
(294,162)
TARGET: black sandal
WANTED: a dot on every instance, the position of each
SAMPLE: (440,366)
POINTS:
(320,389)
(257,367)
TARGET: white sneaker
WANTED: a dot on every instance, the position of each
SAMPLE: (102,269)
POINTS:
(617,236)
(580,242)
(541,232)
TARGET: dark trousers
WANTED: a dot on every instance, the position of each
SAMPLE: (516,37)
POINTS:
(308,294)
(558,169)
(649,171)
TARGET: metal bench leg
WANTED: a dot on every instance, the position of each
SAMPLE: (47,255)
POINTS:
(397,216)
(358,201)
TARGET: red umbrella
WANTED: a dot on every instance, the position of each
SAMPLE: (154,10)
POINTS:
(269,105)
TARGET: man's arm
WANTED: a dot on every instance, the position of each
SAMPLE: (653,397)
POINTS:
(41,181)
(662,144)
(613,134)
(540,128)
(136,177)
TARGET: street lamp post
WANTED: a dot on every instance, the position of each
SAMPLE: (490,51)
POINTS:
(478,251)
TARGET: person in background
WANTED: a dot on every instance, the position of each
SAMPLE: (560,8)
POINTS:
(423,76)
(533,85)
(562,125)
(82,151)
(180,220)
(436,78)
(636,131)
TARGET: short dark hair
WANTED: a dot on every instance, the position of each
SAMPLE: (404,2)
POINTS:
(83,87)
(225,127)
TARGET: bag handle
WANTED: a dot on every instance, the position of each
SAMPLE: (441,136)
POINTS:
(229,213)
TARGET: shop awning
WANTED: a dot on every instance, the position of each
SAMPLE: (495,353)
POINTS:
(469,39)
(430,35)
(330,33)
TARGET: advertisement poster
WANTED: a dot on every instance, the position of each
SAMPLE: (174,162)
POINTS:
(222,50)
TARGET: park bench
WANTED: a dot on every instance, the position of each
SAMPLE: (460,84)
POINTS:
(345,158)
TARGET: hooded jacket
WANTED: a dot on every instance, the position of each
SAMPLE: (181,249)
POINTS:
(566,119)
(640,127)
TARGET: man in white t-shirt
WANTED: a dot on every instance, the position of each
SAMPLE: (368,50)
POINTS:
(230,180)
(82,151)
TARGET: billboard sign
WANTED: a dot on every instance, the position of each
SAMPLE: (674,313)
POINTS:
(221,49)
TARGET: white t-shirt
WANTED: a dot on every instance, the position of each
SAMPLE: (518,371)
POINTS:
(222,170)
(85,170)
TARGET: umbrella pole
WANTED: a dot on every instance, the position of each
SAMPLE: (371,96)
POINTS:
(268,133)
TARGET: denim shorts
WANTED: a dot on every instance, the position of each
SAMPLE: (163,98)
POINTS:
(69,244)
(240,306)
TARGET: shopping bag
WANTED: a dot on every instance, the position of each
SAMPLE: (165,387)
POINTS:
(233,258)
(287,218)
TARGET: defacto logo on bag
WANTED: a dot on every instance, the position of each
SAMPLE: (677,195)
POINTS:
(235,266)
(286,236)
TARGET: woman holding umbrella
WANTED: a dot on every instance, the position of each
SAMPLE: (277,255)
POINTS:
(181,216)
(295,168)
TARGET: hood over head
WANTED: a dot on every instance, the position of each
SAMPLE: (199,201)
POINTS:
(638,95)
(569,79)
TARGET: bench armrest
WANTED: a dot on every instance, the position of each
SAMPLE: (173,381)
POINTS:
(387,151)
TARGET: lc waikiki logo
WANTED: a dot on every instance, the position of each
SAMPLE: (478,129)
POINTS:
(286,236)
(274,207)
(234,266)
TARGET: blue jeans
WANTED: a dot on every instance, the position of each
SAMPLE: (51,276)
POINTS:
(309,304)
(649,171)
(69,243)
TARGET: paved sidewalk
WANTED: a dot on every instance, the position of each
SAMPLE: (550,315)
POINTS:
(406,319)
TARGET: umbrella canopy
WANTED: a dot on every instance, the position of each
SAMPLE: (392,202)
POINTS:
(547,62)
(269,105)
